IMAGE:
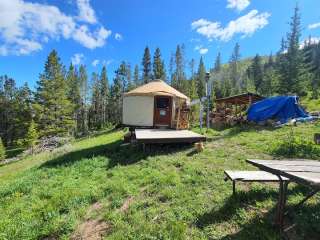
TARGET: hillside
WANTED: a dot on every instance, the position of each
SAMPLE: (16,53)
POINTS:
(173,193)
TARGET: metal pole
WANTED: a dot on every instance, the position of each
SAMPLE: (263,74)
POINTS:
(208,97)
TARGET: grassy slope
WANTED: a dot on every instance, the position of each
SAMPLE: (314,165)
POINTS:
(177,194)
(311,104)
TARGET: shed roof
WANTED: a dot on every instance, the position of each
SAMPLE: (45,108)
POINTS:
(156,87)
(245,98)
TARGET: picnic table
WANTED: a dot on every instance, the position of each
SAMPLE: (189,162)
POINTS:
(300,171)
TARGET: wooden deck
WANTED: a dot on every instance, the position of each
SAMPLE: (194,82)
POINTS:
(150,136)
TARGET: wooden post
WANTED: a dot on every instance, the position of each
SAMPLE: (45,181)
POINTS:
(317,138)
(233,187)
(178,119)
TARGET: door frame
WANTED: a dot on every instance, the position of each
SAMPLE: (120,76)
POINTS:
(155,108)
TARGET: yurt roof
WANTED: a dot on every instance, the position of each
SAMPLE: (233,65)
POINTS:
(156,87)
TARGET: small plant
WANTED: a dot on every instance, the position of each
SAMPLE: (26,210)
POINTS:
(2,151)
(32,136)
(293,146)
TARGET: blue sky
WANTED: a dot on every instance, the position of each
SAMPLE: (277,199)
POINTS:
(101,32)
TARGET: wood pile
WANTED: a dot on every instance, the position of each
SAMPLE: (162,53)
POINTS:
(232,110)
(227,116)
(181,120)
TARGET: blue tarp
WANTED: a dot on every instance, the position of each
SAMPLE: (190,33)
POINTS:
(280,108)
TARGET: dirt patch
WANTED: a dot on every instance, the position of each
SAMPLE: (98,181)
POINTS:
(126,204)
(91,230)
(94,208)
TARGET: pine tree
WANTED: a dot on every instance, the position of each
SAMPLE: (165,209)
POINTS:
(83,111)
(116,97)
(8,107)
(2,150)
(270,81)
(282,68)
(158,65)
(217,76)
(136,78)
(146,66)
(217,63)
(130,84)
(74,94)
(193,84)
(291,80)
(234,69)
(315,82)
(173,77)
(31,136)
(180,74)
(104,93)
(15,110)
(95,113)
(256,73)
(201,79)
(54,109)
(121,75)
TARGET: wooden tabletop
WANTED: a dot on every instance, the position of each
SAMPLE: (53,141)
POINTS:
(306,172)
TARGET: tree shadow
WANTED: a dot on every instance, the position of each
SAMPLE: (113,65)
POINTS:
(74,156)
(304,221)
(116,153)
(232,204)
(236,130)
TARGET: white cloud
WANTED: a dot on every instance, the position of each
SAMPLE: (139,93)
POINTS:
(26,26)
(77,58)
(107,62)
(314,25)
(202,50)
(118,37)
(89,39)
(95,62)
(313,40)
(86,13)
(238,4)
(245,25)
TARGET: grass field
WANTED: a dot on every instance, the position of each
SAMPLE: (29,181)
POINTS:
(170,193)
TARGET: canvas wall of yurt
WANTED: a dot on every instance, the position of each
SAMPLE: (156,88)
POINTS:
(155,104)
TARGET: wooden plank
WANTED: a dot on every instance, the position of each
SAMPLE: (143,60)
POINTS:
(295,170)
(293,162)
(252,176)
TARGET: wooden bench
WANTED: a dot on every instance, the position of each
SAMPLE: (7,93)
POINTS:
(250,176)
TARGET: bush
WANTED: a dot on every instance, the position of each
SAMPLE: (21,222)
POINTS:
(296,147)
(2,151)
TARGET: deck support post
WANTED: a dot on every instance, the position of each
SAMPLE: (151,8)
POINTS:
(283,187)
(234,187)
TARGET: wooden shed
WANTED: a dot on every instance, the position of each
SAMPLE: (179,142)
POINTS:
(155,104)
(232,110)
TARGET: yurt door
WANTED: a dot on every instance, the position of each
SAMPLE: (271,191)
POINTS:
(162,111)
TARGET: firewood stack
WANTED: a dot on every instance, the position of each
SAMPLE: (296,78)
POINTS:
(182,117)
(223,116)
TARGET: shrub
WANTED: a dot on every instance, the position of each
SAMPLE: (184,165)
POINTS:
(298,147)
(2,151)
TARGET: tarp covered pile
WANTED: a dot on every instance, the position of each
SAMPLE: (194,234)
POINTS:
(280,108)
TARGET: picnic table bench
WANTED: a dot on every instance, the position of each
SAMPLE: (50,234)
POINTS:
(250,176)
(300,171)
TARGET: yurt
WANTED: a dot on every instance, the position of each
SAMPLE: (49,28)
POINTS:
(155,104)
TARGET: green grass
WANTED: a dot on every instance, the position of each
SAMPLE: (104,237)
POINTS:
(177,193)
(13,152)
(310,104)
